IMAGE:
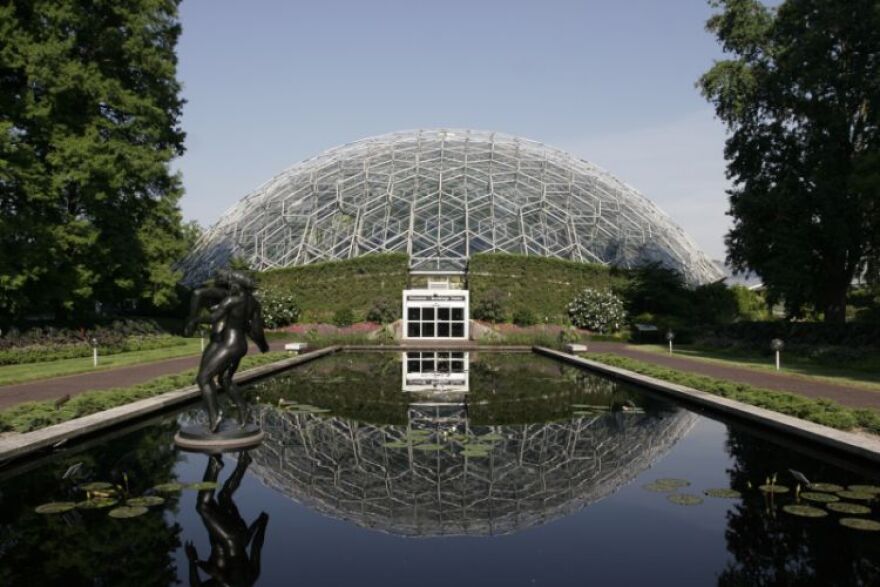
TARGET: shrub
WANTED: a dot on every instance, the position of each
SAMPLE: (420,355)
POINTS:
(491,307)
(343,317)
(597,310)
(278,309)
(524,317)
(383,311)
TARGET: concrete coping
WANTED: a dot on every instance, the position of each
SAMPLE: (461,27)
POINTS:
(853,444)
(19,445)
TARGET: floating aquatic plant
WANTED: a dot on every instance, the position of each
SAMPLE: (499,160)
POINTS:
(202,485)
(773,488)
(674,482)
(723,492)
(490,437)
(172,487)
(96,486)
(659,487)
(819,497)
(396,444)
(684,499)
(861,524)
(428,447)
(804,511)
(55,507)
(145,501)
(875,489)
(844,507)
(856,495)
(825,487)
(96,503)
(127,512)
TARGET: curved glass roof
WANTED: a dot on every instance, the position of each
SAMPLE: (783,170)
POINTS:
(441,196)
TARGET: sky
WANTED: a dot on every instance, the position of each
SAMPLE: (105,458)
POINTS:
(269,83)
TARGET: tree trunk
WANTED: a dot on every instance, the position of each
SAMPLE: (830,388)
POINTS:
(835,306)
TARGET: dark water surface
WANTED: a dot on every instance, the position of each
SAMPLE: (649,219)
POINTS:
(366,484)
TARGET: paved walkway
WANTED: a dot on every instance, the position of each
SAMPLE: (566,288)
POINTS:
(845,394)
(56,387)
(134,374)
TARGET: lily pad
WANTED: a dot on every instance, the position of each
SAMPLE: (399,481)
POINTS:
(825,487)
(723,492)
(820,497)
(127,512)
(804,511)
(172,487)
(844,507)
(55,507)
(684,499)
(429,447)
(96,486)
(875,489)
(773,488)
(145,501)
(658,487)
(95,504)
(397,444)
(861,524)
(475,454)
(674,482)
(203,485)
(490,437)
(856,495)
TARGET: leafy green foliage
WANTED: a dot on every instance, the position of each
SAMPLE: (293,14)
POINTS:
(491,306)
(524,317)
(343,317)
(821,411)
(90,123)
(323,288)
(597,310)
(541,285)
(799,96)
(279,309)
(41,353)
(383,311)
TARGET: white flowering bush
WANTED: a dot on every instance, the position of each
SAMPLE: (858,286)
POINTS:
(597,310)
(278,309)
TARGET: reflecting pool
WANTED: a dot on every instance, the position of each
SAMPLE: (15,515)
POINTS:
(438,469)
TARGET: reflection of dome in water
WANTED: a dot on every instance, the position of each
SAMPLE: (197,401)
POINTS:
(538,473)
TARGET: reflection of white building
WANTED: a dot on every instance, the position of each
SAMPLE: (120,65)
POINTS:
(435,371)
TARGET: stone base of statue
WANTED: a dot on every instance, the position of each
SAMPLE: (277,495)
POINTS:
(230,437)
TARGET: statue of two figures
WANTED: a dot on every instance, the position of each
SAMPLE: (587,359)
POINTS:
(234,315)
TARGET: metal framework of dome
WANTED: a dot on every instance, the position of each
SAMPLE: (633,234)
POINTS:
(441,196)
(536,472)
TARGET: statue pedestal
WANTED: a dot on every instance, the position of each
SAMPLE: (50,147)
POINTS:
(230,437)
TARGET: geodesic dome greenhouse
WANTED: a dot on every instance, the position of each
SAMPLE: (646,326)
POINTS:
(441,196)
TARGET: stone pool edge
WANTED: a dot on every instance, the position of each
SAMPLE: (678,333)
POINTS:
(861,446)
(17,446)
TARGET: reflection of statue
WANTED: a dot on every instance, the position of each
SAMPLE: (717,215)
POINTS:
(229,562)
(235,316)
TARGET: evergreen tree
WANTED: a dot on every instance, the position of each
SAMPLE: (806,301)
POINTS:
(89,122)
(801,97)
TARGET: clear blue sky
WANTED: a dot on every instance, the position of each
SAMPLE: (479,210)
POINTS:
(272,82)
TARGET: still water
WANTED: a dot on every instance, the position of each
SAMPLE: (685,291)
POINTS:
(491,469)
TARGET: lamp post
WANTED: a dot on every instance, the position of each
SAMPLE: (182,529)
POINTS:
(670,336)
(776,345)
(94,342)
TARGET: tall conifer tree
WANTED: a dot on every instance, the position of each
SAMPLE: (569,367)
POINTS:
(89,123)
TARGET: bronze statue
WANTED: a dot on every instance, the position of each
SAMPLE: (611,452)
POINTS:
(234,315)
(229,563)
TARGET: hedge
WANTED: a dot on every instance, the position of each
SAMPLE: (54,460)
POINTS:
(541,285)
(323,289)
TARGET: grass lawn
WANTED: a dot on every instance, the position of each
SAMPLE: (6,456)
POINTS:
(10,374)
(864,378)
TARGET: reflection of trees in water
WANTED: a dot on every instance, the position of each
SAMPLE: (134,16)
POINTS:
(771,547)
(88,547)
(536,473)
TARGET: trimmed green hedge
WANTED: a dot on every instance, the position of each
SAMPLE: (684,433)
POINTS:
(322,289)
(821,411)
(541,285)
(41,353)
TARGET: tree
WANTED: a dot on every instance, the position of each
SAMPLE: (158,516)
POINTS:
(89,122)
(801,98)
